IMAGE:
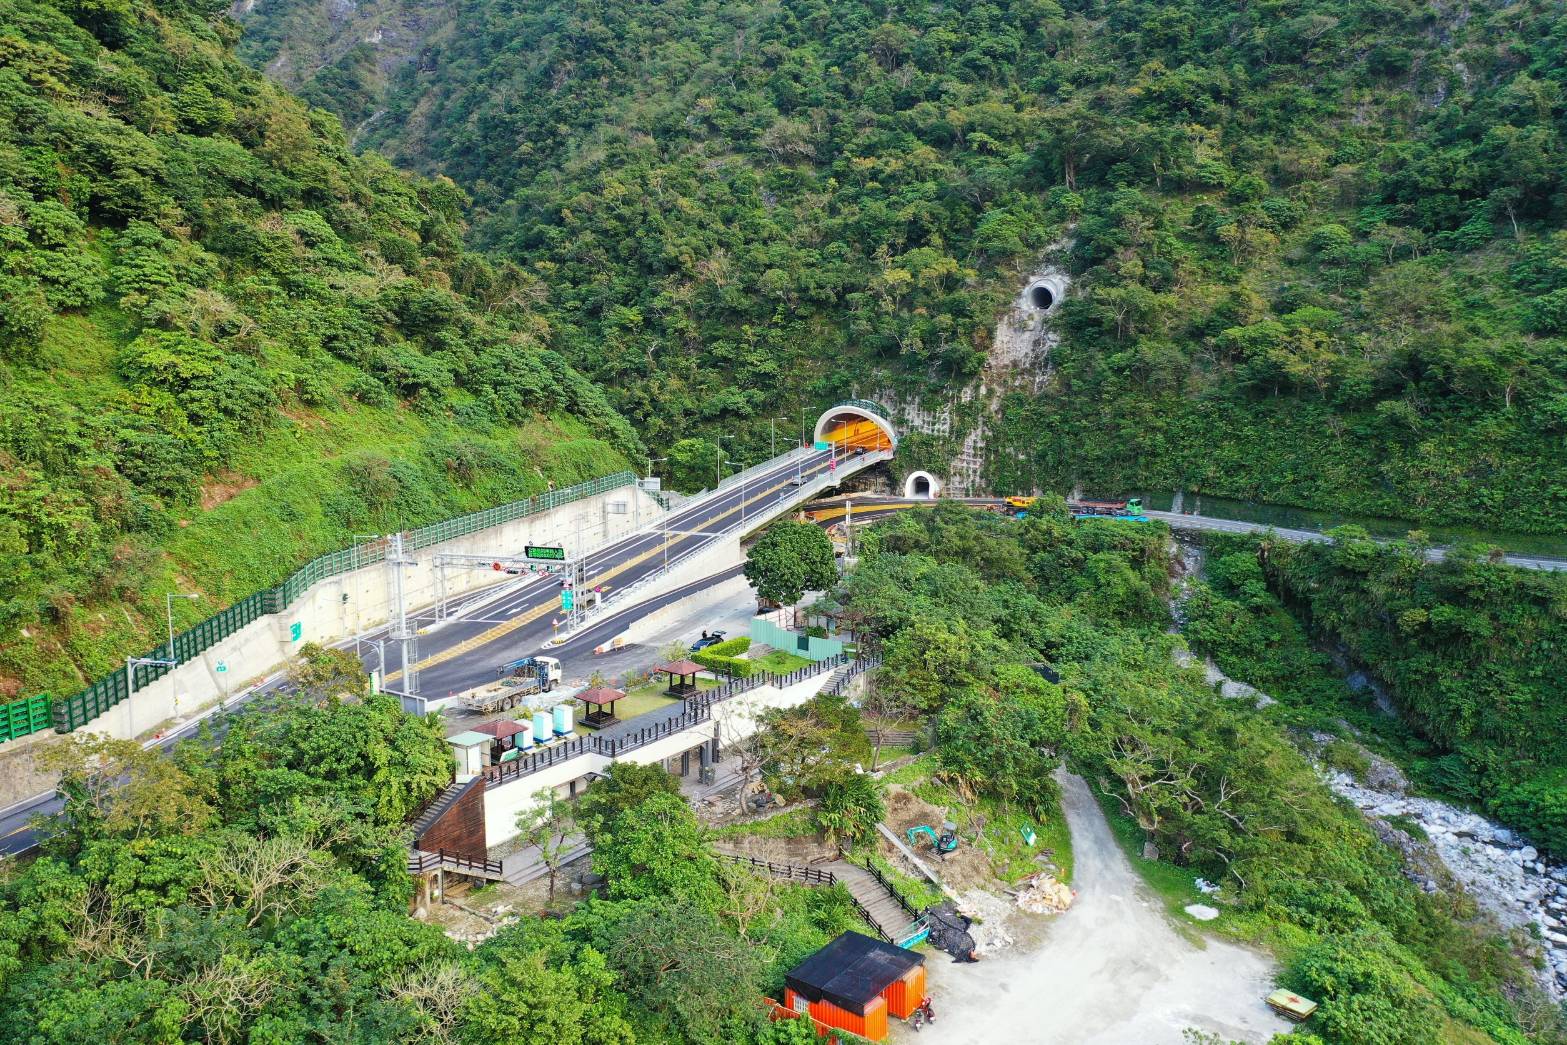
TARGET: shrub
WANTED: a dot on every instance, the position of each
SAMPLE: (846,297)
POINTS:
(732,667)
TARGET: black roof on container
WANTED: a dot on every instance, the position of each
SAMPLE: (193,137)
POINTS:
(852,971)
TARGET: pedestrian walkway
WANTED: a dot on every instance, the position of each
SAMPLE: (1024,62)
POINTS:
(525,865)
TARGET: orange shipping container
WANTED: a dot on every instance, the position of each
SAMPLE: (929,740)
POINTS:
(905,994)
(872,1025)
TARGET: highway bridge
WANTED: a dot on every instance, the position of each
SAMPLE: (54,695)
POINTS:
(640,573)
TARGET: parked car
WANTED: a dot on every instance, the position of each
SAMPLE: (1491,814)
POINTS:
(709,638)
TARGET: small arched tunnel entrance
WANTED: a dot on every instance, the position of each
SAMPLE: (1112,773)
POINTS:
(856,426)
(1045,293)
(921,485)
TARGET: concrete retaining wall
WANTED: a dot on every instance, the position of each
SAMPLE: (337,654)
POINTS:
(352,603)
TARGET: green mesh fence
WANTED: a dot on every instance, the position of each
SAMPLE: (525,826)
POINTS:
(75,711)
(21,717)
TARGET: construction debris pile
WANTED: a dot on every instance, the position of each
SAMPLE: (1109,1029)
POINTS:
(1042,893)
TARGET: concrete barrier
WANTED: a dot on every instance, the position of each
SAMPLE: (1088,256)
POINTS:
(357,601)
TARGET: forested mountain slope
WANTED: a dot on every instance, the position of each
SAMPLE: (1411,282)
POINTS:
(1315,239)
(227,343)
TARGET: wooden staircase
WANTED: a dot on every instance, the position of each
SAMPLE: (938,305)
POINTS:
(436,809)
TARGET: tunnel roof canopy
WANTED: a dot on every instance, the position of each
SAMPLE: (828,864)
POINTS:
(856,410)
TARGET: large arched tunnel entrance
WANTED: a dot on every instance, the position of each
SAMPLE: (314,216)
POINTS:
(857,426)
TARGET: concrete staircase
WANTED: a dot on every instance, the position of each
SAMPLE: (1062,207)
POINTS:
(877,903)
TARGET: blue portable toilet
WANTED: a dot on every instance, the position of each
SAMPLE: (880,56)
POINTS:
(541,727)
(562,716)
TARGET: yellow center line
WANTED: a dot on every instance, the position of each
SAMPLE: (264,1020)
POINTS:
(824,514)
(500,630)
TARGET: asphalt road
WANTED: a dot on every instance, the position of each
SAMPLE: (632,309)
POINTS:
(519,617)
(878,507)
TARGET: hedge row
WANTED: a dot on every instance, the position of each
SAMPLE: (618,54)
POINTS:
(720,658)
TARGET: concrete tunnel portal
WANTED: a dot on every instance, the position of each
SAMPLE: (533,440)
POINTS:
(856,425)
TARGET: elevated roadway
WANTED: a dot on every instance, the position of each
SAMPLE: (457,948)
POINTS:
(521,617)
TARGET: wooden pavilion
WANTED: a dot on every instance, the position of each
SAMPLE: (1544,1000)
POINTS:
(682,678)
(594,703)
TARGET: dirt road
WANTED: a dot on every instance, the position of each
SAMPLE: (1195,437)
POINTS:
(1112,970)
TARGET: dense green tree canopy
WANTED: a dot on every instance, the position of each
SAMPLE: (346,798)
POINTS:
(1315,248)
(216,320)
(789,559)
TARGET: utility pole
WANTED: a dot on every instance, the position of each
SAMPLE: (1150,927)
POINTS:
(396,559)
(848,529)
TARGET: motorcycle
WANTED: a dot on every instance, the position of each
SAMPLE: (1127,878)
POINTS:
(922,1015)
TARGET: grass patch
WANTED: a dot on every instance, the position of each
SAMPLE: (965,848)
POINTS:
(919,892)
(796,823)
(1408,825)
(780,663)
(642,700)
(912,773)
(1002,836)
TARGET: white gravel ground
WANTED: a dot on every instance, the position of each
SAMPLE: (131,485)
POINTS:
(1112,970)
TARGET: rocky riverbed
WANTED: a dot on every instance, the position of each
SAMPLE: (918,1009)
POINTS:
(1507,877)
(1450,848)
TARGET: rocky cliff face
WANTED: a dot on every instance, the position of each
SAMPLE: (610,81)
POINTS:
(1018,361)
(340,54)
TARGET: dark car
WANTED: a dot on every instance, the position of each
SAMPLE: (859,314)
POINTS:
(709,638)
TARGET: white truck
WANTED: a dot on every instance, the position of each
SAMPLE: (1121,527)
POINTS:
(520,679)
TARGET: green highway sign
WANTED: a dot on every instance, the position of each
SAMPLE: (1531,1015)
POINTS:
(545,551)
(295,630)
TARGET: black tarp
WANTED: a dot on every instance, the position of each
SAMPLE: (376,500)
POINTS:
(851,971)
(949,931)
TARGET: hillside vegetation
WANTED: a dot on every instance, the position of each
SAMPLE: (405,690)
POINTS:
(1315,242)
(1473,653)
(228,344)
(969,605)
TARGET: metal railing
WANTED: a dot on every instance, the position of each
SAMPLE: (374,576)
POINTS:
(77,710)
(730,481)
(892,890)
(619,596)
(699,709)
(855,669)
